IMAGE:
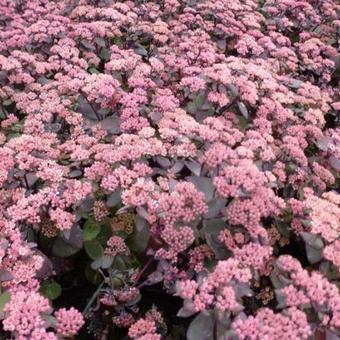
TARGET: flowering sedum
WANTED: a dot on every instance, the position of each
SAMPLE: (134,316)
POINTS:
(172,156)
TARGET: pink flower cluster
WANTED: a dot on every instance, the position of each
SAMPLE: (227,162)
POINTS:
(176,240)
(217,289)
(24,316)
(184,203)
(116,246)
(68,321)
(143,330)
(313,288)
(267,324)
(209,129)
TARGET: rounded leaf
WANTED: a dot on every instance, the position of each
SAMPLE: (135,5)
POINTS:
(50,289)
(202,327)
(91,230)
(63,249)
(94,249)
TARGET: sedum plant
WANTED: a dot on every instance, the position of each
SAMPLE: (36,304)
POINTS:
(169,157)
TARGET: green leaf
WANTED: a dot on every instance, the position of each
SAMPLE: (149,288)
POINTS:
(194,166)
(314,255)
(329,270)
(215,206)
(105,232)
(276,282)
(187,310)
(281,298)
(119,264)
(100,41)
(140,237)
(203,184)
(313,240)
(16,127)
(191,107)
(91,230)
(50,289)
(203,114)
(13,135)
(93,276)
(4,298)
(45,243)
(114,198)
(7,102)
(243,122)
(199,100)
(211,230)
(295,84)
(243,109)
(234,90)
(2,114)
(88,44)
(105,54)
(102,262)
(94,249)
(93,70)
(141,50)
(202,327)
(214,226)
(283,228)
(63,249)
(74,236)
(30,235)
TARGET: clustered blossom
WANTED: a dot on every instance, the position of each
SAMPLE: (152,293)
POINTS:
(315,288)
(144,329)
(126,295)
(198,255)
(68,321)
(254,255)
(176,240)
(267,324)
(239,181)
(154,315)
(116,246)
(24,316)
(324,214)
(183,204)
(100,211)
(200,135)
(123,320)
(218,289)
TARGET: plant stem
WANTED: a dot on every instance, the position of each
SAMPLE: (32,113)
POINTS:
(93,297)
(26,182)
(141,272)
(95,111)
(228,106)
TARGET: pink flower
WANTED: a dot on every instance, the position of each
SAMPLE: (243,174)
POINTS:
(187,289)
(177,241)
(24,313)
(116,246)
(267,324)
(68,321)
(184,203)
(143,329)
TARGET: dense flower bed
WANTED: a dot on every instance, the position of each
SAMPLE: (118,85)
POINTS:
(161,157)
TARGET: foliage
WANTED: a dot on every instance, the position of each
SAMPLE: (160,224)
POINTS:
(163,157)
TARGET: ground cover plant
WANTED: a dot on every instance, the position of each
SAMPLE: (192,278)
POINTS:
(169,169)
